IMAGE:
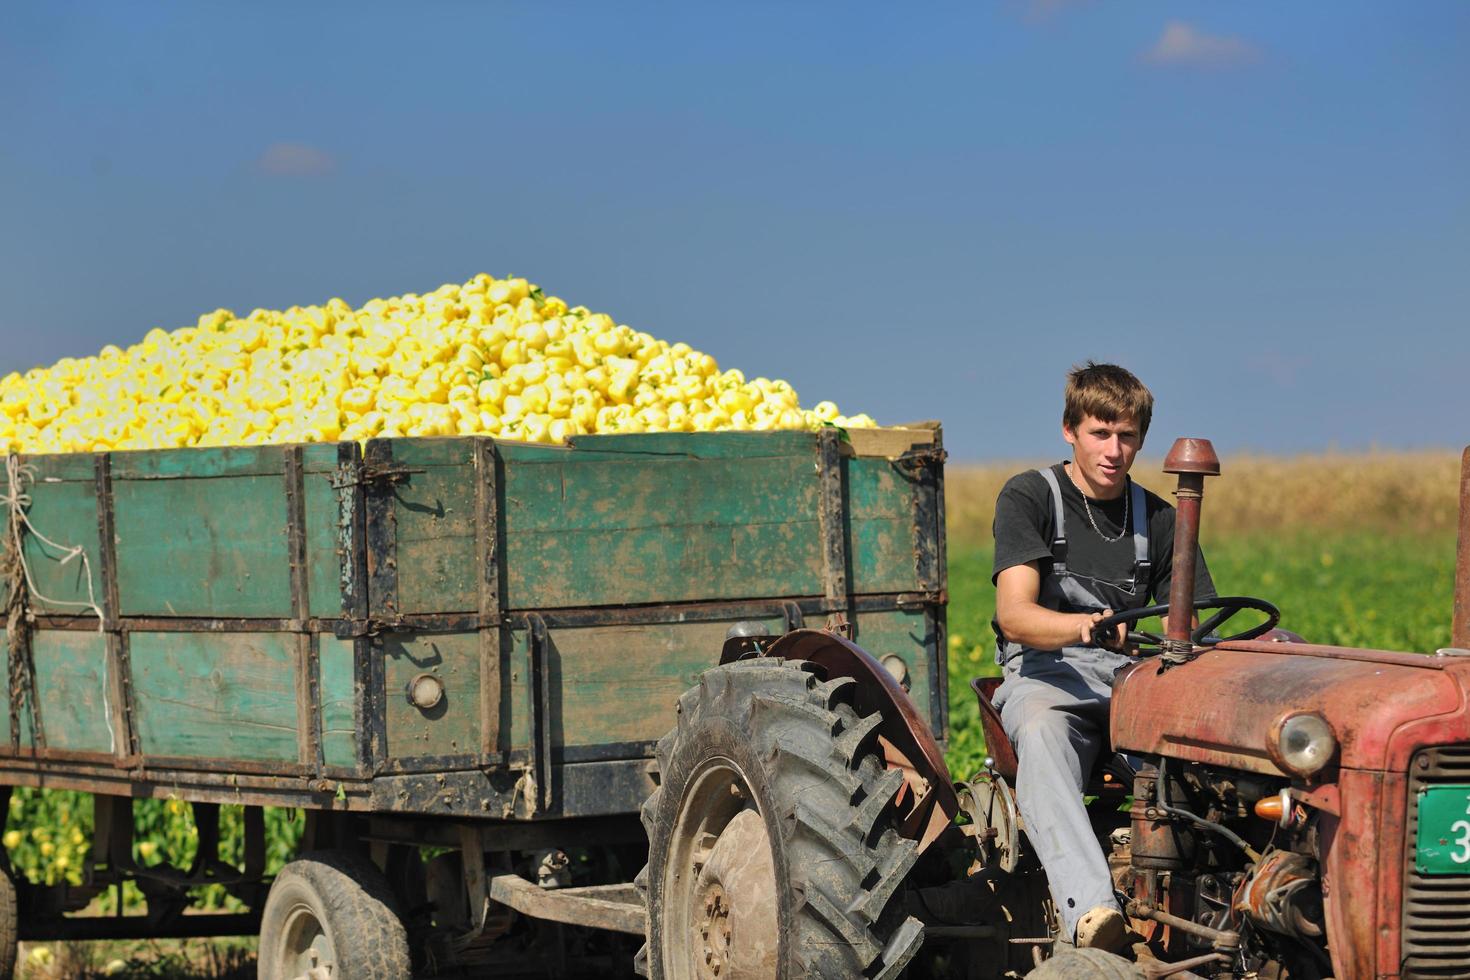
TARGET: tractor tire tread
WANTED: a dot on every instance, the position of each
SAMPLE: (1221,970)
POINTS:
(829,794)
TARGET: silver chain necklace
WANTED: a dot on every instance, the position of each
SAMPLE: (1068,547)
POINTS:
(1087,508)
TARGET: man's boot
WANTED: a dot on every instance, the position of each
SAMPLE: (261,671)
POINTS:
(1103,928)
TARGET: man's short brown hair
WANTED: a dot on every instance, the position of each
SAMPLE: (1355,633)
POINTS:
(1107,392)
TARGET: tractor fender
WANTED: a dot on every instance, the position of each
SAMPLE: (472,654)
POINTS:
(928,800)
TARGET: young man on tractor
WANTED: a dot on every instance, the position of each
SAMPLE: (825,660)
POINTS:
(1075,542)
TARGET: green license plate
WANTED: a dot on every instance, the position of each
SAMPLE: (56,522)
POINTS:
(1444,831)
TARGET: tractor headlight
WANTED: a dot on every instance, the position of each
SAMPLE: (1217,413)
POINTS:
(1302,744)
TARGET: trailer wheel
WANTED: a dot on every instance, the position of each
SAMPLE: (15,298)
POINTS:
(9,924)
(1086,964)
(331,916)
(771,847)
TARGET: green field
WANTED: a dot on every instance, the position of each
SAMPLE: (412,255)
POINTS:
(1381,590)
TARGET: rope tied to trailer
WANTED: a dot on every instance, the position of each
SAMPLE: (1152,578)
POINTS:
(18,502)
(21,590)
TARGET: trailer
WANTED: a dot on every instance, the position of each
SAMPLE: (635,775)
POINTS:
(455,655)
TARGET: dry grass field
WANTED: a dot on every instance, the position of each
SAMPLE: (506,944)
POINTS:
(1382,492)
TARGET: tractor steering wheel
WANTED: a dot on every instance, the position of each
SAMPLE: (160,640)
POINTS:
(1226,606)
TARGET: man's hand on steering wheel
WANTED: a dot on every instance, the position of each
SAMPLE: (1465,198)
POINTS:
(1106,624)
(1109,639)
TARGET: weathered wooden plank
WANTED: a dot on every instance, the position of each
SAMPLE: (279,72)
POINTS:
(881,522)
(452,727)
(438,568)
(702,445)
(339,724)
(452,451)
(320,457)
(27,732)
(908,634)
(65,467)
(632,493)
(660,529)
(323,561)
(5,726)
(216,695)
(67,514)
(233,461)
(691,445)
(487,564)
(72,685)
(323,555)
(205,547)
(620,683)
(677,563)
(832,513)
(891,442)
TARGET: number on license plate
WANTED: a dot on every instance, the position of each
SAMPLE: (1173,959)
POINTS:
(1443,847)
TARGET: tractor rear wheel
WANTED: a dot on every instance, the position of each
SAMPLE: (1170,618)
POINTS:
(772,852)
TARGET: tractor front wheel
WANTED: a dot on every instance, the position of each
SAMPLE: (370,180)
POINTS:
(771,847)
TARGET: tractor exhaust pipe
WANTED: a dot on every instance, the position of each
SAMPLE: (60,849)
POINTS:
(1192,460)
(1461,631)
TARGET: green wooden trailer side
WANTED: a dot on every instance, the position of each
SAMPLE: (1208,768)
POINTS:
(263,611)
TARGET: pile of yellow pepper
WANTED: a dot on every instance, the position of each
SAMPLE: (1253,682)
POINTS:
(490,357)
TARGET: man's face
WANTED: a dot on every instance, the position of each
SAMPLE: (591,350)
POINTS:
(1103,453)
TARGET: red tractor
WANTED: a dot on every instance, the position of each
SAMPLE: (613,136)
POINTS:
(1274,808)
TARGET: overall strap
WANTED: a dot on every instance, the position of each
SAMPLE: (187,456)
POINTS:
(1059,537)
(1142,567)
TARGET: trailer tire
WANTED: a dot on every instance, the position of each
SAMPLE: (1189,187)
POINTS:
(9,925)
(332,910)
(772,852)
(1086,964)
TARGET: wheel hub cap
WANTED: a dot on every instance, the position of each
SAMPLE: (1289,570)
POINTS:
(735,921)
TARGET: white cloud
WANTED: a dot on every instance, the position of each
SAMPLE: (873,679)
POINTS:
(1185,44)
(295,160)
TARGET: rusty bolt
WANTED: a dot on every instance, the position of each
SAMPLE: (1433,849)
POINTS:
(1423,762)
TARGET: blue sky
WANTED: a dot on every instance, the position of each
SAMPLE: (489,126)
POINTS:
(919,211)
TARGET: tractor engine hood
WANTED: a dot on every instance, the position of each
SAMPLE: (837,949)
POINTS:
(1224,707)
